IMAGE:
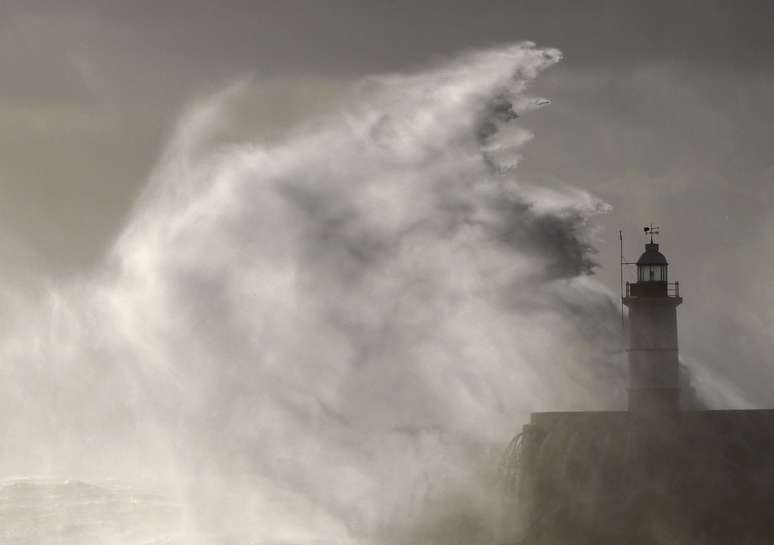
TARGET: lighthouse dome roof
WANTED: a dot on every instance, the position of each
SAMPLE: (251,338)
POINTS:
(652,256)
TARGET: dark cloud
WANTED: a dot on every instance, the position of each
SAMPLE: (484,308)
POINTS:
(380,34)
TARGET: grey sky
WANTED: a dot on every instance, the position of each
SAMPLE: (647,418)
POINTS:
(662,109)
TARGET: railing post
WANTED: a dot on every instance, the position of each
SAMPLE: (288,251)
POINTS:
(677,289)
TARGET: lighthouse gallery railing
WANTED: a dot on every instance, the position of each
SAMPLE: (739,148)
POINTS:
(653,289)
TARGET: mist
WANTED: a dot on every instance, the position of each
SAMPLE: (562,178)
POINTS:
(330,336)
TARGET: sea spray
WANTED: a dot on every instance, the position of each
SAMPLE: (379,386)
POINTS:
(331,337)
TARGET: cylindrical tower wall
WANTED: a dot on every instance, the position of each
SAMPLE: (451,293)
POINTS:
(654,379)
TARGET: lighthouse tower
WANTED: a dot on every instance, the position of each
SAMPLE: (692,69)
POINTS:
(654,386)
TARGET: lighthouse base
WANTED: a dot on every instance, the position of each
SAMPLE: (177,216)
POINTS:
(699,477)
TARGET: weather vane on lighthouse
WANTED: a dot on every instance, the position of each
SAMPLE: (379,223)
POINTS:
(651,231)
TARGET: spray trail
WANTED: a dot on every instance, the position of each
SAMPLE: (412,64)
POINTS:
(326,338)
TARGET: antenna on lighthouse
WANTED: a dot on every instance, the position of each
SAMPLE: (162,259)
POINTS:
(625,293)
(623,325)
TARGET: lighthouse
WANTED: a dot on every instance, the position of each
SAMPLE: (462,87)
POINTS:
(654,384)
(653,473)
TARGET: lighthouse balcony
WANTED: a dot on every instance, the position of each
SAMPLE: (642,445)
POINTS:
(653,289)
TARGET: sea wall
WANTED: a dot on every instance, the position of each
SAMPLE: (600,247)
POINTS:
(689,478)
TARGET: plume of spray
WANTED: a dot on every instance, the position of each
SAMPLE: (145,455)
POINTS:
(330,337)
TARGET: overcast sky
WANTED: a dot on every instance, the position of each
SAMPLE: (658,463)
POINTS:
(661,109)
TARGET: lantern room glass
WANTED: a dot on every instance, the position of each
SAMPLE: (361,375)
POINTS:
(651,273)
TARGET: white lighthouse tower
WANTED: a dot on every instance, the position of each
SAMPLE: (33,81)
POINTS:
(652,300)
